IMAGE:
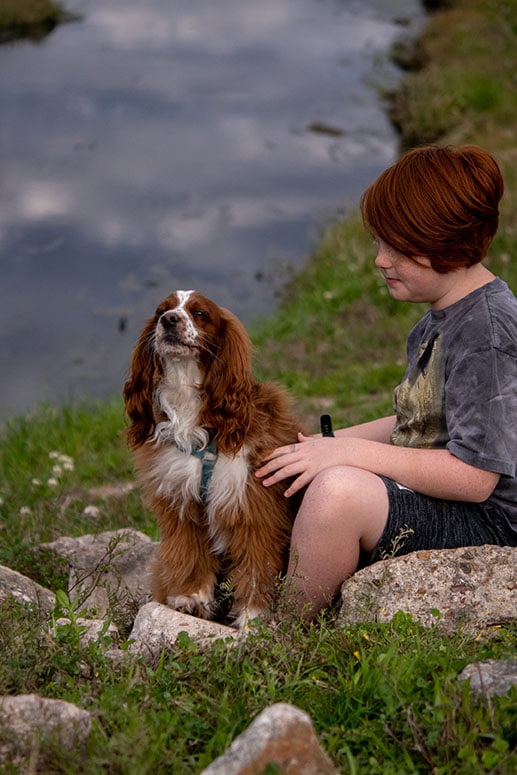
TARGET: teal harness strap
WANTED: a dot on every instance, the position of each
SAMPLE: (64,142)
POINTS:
(208,456)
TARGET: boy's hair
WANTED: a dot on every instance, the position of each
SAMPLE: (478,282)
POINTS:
(440,202)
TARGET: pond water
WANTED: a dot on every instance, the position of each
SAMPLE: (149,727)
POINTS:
(161,145)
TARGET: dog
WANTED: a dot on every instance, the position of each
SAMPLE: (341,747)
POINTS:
(199,425)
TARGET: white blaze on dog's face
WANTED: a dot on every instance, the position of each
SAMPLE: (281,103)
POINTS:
(187,326)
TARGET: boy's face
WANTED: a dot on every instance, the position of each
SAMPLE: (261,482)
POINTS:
(411,279)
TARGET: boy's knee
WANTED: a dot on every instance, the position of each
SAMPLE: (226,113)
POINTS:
(343,482)
(349,496)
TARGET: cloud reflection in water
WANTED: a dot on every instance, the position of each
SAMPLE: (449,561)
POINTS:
(156,146)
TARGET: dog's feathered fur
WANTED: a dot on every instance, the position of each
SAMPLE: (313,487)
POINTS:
(191,384)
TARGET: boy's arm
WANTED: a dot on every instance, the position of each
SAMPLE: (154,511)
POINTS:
(375,430)
(434,472)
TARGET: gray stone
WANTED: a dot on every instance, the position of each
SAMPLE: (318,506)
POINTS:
(24,590)
(29,724)
(108,570)
(493,676)
(471,589)
(157,627)
(281,735)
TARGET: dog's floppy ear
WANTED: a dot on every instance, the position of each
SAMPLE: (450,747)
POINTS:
(138,390)
(228,385)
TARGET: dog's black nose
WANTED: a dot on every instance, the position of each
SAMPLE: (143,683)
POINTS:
(169,320)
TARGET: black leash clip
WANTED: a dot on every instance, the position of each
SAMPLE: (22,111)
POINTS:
(326,425)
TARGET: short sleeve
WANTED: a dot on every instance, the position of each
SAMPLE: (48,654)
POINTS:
(481,410)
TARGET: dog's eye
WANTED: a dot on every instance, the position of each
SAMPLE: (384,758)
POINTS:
(198,313)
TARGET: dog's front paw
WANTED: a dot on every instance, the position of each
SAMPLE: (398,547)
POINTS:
(200,603)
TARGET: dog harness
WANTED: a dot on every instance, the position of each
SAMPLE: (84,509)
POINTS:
(208,456)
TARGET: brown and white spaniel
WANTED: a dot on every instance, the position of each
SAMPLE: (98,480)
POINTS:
(200,424)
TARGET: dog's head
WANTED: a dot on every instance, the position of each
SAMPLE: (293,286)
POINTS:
(187,328)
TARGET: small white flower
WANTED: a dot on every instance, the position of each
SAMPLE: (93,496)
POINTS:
(57,470)
(52,482)
(1,501)
(25,510)
(91,511)
(62,461)
(36,482)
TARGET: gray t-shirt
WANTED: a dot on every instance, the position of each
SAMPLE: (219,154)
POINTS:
(459,391)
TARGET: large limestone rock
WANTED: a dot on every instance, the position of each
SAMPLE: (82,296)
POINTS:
(282,736)
(29,725)
(157,627)
(471,589)
(107,570)
(24,590)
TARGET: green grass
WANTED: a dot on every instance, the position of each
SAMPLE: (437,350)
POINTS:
(383,698)
(50,465)
(468,87)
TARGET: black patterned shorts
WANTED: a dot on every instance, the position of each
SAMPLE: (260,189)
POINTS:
(418,521)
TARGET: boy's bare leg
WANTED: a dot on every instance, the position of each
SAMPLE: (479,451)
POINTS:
(344,509)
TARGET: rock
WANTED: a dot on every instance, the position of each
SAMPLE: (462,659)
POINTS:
(493,676)
(470,589)
(157,627)
(107,570)
(29,724)
(281,735)
(24,590)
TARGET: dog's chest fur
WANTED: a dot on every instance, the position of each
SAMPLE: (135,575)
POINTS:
(176,472)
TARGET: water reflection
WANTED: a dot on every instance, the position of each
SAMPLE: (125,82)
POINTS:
(151,147)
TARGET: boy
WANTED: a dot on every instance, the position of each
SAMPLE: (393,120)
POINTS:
(441,470)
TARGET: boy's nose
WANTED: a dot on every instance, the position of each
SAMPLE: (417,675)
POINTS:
(382,259)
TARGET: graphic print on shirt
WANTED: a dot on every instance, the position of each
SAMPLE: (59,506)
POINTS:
(419,400)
